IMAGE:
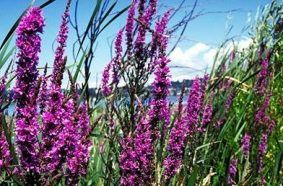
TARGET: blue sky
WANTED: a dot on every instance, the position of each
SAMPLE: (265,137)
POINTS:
(202,37)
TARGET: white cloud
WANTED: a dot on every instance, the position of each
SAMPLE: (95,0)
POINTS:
(191,61)
(196,59)
(189,57)
(244,43)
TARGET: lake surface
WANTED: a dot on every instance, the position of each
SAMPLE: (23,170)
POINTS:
(173,99)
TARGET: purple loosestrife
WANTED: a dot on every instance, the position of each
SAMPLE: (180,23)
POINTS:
(160,105)
(53,117)
(232,171)
(160,87)
(144,150)
(159,39)
(229,100)
(141,7)
(180,102)
(130,28)
(106,89)
(261,152)
(262,80)
(128,163)
(78,149)
(5,156)
(144,22)
(205,113)
(194,105)
(27,128)
(118,57)
(182,129)
(59,62)
(246,145)
(206,117)
(160,29)
(175,147)
(136,158)
(52,125)
(66,137)
(147,129)
(176,144)
(261,117)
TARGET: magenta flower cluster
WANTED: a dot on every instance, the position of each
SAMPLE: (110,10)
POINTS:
(130,28)
(118,58)
(5,156)
(27,128)
(246,144)
(66,125)
(136,158)
(261,152)
(262,77)
(232,171)
(61,144)
(59,62)
(185,127)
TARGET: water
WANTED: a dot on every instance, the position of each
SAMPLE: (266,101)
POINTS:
(172,99)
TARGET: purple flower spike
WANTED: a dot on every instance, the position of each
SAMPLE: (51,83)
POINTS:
(229,100)
(207,116)
(78,157)
(5,156)
(128,163)
(141,7)
(246,145)
(106,90)
(194,105)
(262,77)
(28,43)
(59,62)
(146,132)
(130,28)
(261,152)
(52,125)
(161,84)
(232,171)
(158,37)
(180,131)
(118,57)
(261,117)
(144,150)
(175,147)
(160,31)
(144,24)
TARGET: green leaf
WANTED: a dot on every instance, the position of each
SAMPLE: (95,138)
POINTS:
(94,13)
(7,56)
(193,178)
(78,68)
